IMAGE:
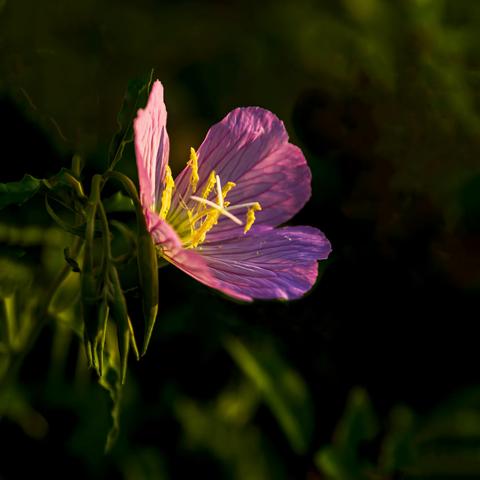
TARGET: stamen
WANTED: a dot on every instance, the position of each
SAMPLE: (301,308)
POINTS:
(193,163)
(251,216)
(218,208)
(167,193)
(210,184)
(226,188)
(191,221)
(242,205)
(219,192)
(200,234)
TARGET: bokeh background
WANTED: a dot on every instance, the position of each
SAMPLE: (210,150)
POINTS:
(374,374)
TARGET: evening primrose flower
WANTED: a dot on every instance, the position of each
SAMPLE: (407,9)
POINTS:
(217,221)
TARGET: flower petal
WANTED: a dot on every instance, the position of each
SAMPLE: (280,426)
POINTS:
(270,263)
(250,147)
(152,147)
(172,250)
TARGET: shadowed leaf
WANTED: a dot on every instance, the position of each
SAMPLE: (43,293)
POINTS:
(18,192)
(135,98)
(282,388)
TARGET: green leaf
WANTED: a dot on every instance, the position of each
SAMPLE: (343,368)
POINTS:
(111,381)
(397,449)
(18,192)
(215,427)
(341,460)
(282,388)
(135,97)
(359,422)
(14,405)
(14,275)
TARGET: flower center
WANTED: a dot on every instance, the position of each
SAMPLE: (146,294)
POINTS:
(205,213)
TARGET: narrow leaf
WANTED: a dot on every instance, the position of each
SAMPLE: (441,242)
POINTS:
(283,390)
(135,98)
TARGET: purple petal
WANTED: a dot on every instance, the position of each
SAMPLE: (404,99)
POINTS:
(270,263)
(250,147)
(151,147)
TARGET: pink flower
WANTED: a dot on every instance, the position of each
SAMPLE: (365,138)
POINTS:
(217,221)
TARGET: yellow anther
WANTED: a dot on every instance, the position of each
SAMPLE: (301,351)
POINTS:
(167,193)
(210,184)
(191,221)
(200,234)
(193,163)
(251,216)
(226,188)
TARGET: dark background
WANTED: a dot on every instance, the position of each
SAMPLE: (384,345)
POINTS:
(382,98)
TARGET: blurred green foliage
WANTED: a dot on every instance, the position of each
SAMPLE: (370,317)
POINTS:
(382,97)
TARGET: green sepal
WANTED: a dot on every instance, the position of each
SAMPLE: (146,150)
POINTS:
(148,275)
(119,313)
(90,305)
(147,259)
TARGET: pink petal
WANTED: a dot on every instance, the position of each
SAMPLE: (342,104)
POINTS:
(270,263)
(250,147)
(152,147)
(187,260)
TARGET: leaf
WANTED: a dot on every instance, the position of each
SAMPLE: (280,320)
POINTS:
(446,442)
(16,193)
(14,405)
(135,98)
(207,428)
(341,460)
(358,424)
(397,450)
(283,390)
(111,381)
(14,276)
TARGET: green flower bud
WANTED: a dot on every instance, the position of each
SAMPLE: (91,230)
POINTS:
(148,274)
(119,313)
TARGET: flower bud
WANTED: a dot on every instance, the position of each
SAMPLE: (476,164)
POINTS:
(119,312)
(148,274)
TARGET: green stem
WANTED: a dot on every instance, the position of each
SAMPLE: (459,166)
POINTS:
(131,191)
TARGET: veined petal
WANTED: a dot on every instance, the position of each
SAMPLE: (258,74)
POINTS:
(152,147)
(270,263)
(250,147)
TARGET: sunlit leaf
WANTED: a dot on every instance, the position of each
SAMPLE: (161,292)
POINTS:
(283,390)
